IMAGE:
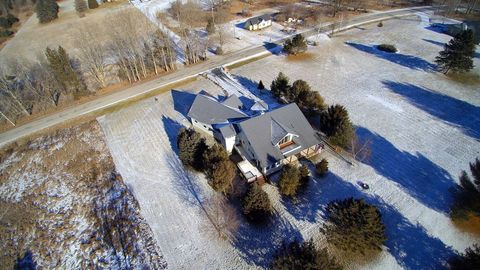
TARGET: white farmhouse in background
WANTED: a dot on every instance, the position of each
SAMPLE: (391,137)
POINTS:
(258,23)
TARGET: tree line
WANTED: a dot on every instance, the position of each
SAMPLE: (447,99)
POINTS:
(136,49)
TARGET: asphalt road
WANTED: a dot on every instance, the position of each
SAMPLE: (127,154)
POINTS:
(182,74)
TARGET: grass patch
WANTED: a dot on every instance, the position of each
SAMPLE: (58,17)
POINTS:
(300,57)
(470,224)
(467,78)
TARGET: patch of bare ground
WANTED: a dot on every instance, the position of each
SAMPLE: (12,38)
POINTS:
(468,78)
(62,201)
(301,57)
(469,224)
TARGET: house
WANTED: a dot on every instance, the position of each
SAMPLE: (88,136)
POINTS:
(258,23)
(265,140)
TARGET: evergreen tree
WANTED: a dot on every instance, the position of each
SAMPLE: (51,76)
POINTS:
(219,169)
(210,26)
(303,256)
(467,197)
(47,10)
(92,4)
(310,102)
(80,6)
(256,205)
(296,45)
(354,226)
(457,55)
(289,180)
(60,63)
(260,85)
(191,147)
(470,260)
(280,86)
(304,174)
(336,124)
(322,167)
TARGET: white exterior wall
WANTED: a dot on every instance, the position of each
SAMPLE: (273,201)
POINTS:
(203,127)
(228,143)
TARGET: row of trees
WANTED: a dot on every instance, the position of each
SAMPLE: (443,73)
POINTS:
(134,50)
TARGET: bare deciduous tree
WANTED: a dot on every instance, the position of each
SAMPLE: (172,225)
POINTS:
(223,216)
(360,149)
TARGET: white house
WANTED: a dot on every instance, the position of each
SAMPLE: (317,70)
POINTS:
(258,23)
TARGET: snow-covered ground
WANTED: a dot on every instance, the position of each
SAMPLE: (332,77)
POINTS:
(424,127)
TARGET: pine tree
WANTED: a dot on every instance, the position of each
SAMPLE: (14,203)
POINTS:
(191,147)
(260,85)
(62,68)
(219,169)
(336,124)
(354,226)
(457,55)
(47,10)
(303,256)
(92,4)
(304,174)
(467,198)
(256,205)
(210,26)
(470,260)
(289,180)
(280,86)
(296,45)
(80,6)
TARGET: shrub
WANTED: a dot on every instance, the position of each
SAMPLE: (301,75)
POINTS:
(304,174)
(7,22)
(296,45)
(380,24)
(354,226)
(47,10)
(256,205)
(92,4)
(387,48)
(289,180)
(219,50)
(469,260)
(303,256)
(191,148)
(80,6)
(5,33)
(336,124)
(260,85)
(322,167)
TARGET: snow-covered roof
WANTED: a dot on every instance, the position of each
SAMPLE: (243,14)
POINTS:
(209,111)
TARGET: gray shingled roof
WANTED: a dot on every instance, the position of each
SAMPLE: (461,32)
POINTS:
(233,101)
(257,20)
(209,111)
(290,119)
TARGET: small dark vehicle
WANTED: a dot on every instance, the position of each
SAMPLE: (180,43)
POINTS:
(363,185)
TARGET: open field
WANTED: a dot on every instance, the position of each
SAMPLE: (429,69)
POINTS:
(64,206)
(424,129)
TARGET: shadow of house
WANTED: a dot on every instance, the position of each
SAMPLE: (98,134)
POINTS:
(420,177)
(409,61)
(453,111)
(258,244)
(182,101)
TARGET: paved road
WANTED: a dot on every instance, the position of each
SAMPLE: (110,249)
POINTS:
(182,74)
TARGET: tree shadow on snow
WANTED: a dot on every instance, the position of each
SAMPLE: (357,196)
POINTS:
(454,111)
(257,244)
(409,61)
(438,43)
(186,182)
(420,177)
(272,47)
(26,262)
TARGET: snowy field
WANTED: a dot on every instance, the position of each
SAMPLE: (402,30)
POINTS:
(424,128)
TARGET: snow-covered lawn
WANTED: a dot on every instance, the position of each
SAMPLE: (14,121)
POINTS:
(424,128)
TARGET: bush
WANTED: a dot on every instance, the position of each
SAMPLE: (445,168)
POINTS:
(469,260)
(289,180)
(5,33)
(296,45)
(336,124)
(80,6)
(354,226)
(219,50)
(191,148)
(380,24)
(47,10)
(387,48)
(256,205)
(304,174)
(92,4)
(303,256)
(7,22)
(322,167)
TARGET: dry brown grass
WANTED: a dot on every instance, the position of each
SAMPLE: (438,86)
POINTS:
(470,224)
(307,56)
